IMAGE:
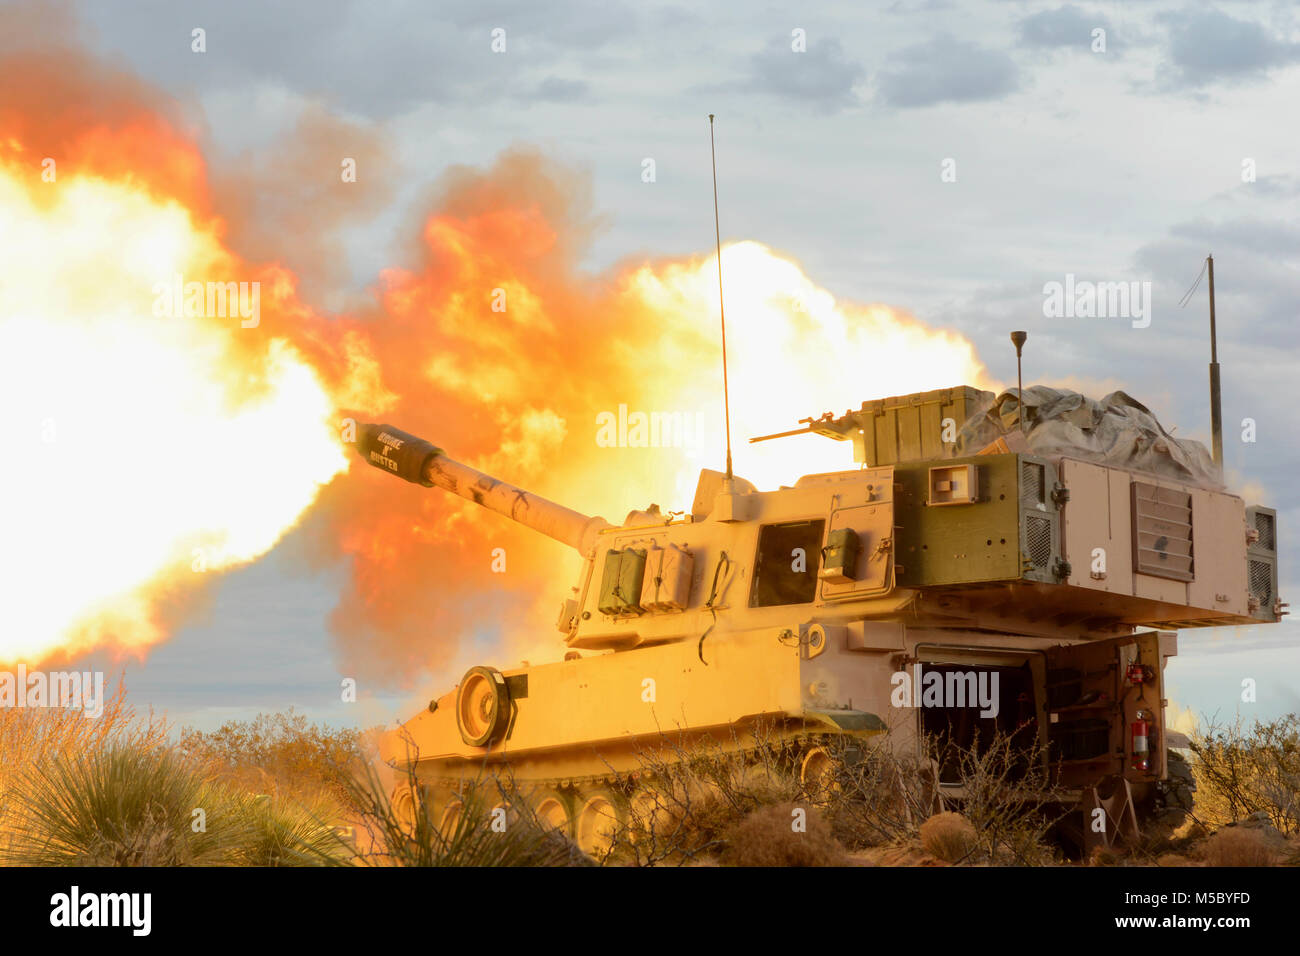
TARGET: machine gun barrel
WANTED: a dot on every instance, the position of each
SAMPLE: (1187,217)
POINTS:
(416,460)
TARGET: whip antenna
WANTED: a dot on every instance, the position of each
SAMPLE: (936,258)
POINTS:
(717,232)
(1216,394)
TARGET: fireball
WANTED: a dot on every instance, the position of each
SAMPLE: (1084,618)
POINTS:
(174,410)
(147,446)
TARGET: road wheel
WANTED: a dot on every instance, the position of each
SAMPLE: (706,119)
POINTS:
(817,774)
(405,808)
(601,818)
(552,810)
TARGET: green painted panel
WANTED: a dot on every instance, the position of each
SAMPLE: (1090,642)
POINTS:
(961,543)
(621,580)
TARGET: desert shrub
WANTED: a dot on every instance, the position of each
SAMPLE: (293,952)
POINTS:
(124,804)
(1105,856)
(1006,790)
(691,794)
(768,837)
(32,737)
(883,792)
(393,838)
(1242,771)
(880,793)
(278,831)
(948,836)
(120,805)
(1238,846)
(279,754)
(692,791)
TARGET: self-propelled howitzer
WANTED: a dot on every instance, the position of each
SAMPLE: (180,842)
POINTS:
(1037,593)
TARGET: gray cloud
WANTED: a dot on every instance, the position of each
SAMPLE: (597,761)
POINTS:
(947,70)
(1254,638)
(903,8)
(1208,45)
(373,60)
(570,24)
(1067,26)
(822,77)
(1275,187)
(556,89)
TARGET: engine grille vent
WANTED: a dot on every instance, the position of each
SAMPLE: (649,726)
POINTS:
(1264,524)
(1038,540)
(1031,482)
(1261,582)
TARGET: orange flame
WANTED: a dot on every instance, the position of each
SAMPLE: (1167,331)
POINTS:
(500,350)
(150,447)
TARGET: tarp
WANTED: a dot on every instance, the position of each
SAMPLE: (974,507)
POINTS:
(1118,430)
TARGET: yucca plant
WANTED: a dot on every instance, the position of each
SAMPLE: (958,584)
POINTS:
(122,805)
(281,832)
(36,736)
(412,837)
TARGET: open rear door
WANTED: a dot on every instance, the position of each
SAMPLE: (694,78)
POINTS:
(1095,694)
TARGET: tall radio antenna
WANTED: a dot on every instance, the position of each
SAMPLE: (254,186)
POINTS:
(1216,393)
(717,232)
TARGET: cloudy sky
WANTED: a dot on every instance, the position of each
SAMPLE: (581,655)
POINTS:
(1128,162)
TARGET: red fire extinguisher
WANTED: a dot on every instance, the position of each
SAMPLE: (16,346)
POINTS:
(1141,748)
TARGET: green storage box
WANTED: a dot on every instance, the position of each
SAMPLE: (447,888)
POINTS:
(621,581)
(905,427)
(840,557)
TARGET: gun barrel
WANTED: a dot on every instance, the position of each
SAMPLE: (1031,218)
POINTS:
(423,463)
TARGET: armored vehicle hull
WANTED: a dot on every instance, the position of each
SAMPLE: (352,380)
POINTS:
(919,595)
